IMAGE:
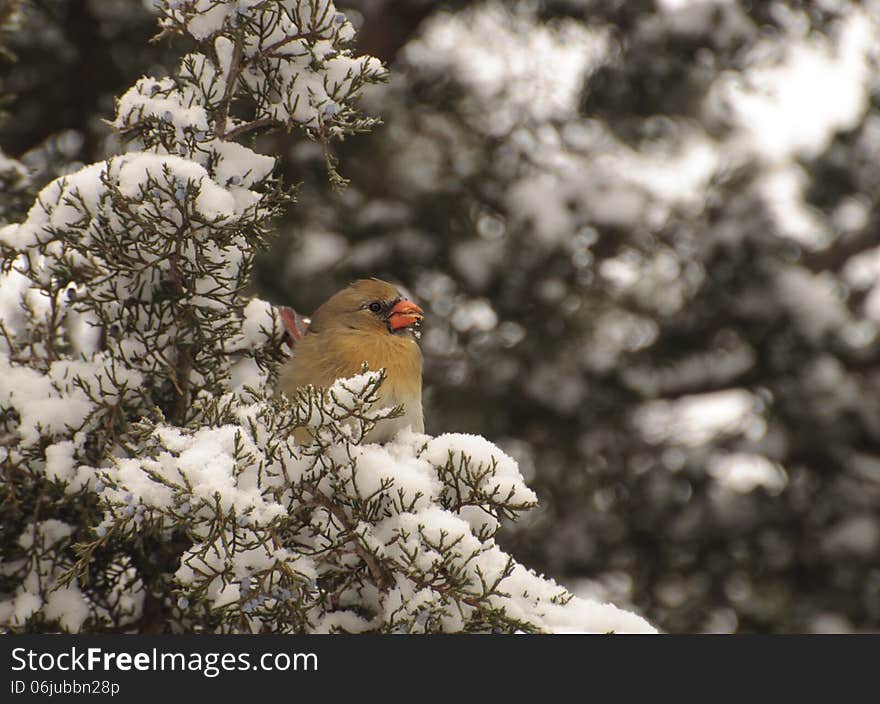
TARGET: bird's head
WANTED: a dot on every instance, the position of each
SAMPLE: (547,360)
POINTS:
(368,305)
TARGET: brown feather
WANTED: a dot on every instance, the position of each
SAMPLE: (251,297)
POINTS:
(342,336)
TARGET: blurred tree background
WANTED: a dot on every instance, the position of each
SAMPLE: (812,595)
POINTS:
(647,234)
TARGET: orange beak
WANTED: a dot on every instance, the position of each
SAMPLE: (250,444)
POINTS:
(403,314)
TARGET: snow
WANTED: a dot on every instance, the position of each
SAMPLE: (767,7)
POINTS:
(827,623)
(259,320)
(137,171)
(43,411)
(39,591)
(678,5)
(48,532)
(60,461)
(259,510)
(768,103)
(156,99)
(342,621)
(660,282)
(489,49)
(782,190)
(862,272)
(576,616)
(523,80)
(770,100)
(223,595)
(301,70)
(698,419)
(502,477)
(208,18)
(13,288)
(13,173)
(852,214)
(246,373)
(24,605)
(475,260)
(295,64)
(55,199)
(412,480)
(345,392)
(412,529)
(580,616)
(857,535)
(224,49)
(583,174)
(237,161)
(743,472)
(317,251)
(83,330)
(69,606)
(481,521)
(222,469)
(815,300)
(417,539)
(476,314)
(206,465)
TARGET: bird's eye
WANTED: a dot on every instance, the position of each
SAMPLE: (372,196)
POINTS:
(375,306)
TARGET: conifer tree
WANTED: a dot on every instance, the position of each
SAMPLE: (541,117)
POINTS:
(647,235)
(150,477)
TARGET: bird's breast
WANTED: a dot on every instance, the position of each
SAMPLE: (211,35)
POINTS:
(412,414)
(320,359)
(402,361)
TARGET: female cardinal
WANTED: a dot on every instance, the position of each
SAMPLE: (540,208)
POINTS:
(368,321)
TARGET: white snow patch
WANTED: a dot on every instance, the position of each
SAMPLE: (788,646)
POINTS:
(769,101)
(744,472)
(699,419)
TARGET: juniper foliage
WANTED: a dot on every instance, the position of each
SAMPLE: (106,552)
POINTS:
(150,476)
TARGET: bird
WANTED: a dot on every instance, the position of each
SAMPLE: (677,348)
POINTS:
(369,321)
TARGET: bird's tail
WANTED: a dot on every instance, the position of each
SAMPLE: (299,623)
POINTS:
(295,325)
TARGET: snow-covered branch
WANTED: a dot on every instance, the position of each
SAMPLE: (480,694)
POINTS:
(154,480)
